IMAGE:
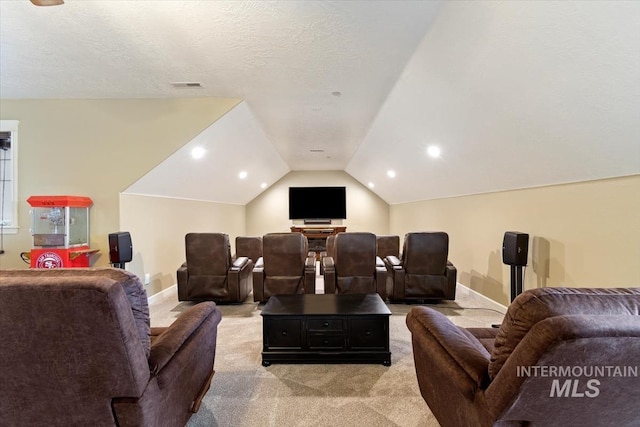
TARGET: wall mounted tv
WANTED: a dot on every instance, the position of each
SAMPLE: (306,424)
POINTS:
(317,203)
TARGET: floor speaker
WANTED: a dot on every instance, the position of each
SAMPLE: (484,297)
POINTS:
(515,248)
(120,247)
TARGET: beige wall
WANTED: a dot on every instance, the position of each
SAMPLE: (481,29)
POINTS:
(580,235)
(158,226)
(269,212)
(96,148)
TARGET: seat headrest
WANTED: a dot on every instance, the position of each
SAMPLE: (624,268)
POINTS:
(426,252)
(208,253)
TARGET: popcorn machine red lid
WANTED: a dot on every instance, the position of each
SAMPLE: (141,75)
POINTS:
(71,201)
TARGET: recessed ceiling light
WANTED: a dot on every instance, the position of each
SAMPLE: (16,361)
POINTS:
(263,185)
(433,151)
(371,185)
(336,93)
(391,174)
(317,150)
(242,175)
(198,152)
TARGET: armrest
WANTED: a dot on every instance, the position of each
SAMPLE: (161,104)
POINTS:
(310,274)
(183,277)
(310,263)
(329,275)
(393,261)
(183,271)
(379,262)
(259,264)
(439,339)
(258,280)
(396,271)
(240,262)
(451,274)
(169,342)
(239,278)
(381,278)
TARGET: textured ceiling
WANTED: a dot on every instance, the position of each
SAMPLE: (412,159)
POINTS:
(284,58)
(516,94)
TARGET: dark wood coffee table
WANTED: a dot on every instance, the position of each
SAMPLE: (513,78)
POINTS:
(349,328)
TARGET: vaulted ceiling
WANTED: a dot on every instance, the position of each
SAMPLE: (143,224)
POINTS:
(514,94)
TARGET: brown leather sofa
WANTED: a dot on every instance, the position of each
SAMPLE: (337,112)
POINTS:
(552,362)
(423,272)
(354,267)
(77,350)
(210,273)
(286,267)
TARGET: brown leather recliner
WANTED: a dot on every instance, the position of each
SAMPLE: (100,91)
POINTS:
(210,273)
(77,350)
(249,246)
(424,272)
(286,267)
(562,357)
(387,246)
(354,267)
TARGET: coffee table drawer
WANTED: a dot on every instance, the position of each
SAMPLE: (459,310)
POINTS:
(326,342)
(284,333)
(369,333)
(325,325)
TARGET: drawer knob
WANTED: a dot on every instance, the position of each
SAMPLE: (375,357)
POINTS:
(284,333)
(326,342)
(367,333)
(325,324)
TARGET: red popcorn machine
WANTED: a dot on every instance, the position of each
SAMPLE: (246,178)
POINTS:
(60,231)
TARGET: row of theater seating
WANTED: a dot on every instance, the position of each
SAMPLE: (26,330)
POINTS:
(281,264)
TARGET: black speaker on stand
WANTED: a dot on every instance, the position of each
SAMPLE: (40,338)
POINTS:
(120,248)
(515,247)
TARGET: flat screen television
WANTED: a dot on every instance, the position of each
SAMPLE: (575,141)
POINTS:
(317,203)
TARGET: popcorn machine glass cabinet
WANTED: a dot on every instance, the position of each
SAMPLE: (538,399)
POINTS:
(60,226)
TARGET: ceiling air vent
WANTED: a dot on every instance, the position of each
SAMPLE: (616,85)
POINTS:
(186,84)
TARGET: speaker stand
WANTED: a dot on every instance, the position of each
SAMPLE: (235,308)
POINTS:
(516,281)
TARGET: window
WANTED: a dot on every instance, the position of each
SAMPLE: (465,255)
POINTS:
(8,176)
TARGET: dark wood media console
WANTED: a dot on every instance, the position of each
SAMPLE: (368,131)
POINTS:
(317,235)
(309,328)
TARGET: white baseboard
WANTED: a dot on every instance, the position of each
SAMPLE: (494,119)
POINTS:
(468,290)
(163,294)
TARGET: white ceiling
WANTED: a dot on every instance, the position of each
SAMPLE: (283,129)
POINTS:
(516,94)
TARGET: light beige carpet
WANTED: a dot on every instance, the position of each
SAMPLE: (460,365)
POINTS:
(244,393)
